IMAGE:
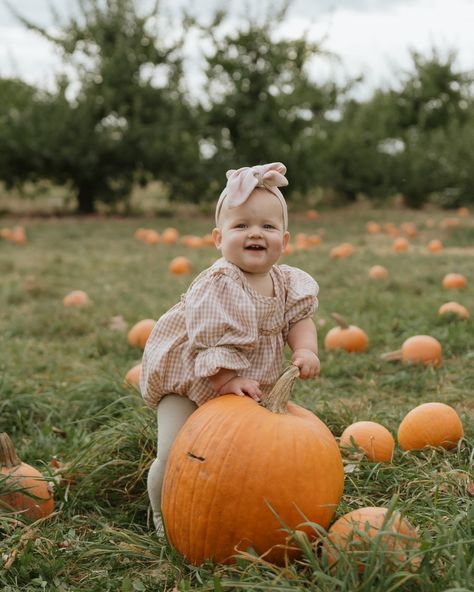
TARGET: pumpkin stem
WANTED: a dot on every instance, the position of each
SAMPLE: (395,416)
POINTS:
(391,356)
(277,399)
(8,456)
(339,320)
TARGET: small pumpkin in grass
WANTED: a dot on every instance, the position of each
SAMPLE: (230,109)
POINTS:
(463,212)
(360,533)
(419,349)
(377,272)
(371,437)
(454,308)
(312,214)
(140,234)
(454,281)
(169,236)
(430,424)
(314,240)
(301,241)
(341,251)
(236,465)
(373,227)
(151,237)
(344,336)
(401,244)
(208,240)
(435,246)
(192,241)
(18,235)
(132,377)
(180,266)
(27,490)
(139,333)
(76,298)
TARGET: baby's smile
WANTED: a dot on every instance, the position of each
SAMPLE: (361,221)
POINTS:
(255,247)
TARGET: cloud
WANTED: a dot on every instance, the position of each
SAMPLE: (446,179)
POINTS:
(372,37)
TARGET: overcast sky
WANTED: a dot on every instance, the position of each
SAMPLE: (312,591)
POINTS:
(371,37)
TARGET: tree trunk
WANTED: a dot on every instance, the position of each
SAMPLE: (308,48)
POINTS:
(85,200)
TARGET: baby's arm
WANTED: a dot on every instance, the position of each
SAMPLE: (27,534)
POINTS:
(303,340)
(228,381)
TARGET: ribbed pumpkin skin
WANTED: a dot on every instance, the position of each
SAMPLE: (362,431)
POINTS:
(213,507)
(26,477)
(430,424)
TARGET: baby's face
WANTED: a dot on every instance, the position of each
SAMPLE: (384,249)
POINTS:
(252,236)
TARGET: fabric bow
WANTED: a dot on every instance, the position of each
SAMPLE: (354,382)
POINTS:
(241,182)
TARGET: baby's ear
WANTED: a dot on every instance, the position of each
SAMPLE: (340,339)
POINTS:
(217,237)
(286,238)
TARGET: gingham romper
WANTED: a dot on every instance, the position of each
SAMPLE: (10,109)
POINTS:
(222,322)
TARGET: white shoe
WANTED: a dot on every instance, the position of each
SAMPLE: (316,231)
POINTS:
(158,522)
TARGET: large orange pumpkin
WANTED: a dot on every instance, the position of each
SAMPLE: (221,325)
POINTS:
(139,333)
(430,424)
(371,437)
(344,336)
(28,492)
(419,349)
(359,532)
(235,466)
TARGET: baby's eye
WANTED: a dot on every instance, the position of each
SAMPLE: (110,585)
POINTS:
(268,226)
(241,225)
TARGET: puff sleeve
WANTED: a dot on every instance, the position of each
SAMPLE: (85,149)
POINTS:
(221,324)
(301,296)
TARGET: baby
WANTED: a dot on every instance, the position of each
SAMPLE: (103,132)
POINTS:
(228,332)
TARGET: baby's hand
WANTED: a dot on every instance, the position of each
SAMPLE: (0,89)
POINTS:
(243,387)
(307,361)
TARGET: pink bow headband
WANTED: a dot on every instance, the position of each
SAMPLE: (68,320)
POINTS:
(241,183)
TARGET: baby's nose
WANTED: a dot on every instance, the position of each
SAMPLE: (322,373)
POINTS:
(254,231)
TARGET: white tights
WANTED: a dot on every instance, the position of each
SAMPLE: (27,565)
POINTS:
(172,412)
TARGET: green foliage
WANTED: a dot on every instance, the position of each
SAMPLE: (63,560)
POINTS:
(123,123)
(261,102)
(123,114)
(412,140)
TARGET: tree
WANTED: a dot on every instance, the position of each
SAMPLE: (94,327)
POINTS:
(122,121)
(404,140)
(261,103)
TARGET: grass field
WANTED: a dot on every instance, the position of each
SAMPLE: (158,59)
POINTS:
(62,395)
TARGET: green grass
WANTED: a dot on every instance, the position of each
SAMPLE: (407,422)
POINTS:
(62,395)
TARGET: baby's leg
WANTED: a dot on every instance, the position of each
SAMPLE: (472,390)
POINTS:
(172,412)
